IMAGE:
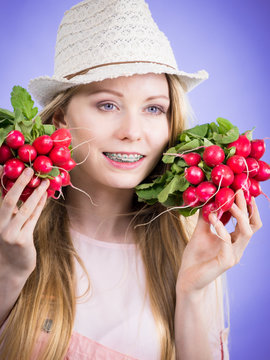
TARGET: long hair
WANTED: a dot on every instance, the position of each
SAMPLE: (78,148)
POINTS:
(48,299)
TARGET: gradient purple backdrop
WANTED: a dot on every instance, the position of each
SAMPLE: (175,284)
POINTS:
(231,41)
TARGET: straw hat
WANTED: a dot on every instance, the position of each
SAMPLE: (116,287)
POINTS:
(101,39)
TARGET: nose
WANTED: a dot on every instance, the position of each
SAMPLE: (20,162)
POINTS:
(130,127)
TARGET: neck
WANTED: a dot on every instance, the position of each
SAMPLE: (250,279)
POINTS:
(100,217)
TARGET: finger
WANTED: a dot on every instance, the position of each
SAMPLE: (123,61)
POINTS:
(219,227)
(242,221)
(255,219)
(30,224)
(202,225)
(28,208)
(240,200)
(11,198)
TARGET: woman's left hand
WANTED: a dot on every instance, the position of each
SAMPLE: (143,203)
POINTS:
(208,255)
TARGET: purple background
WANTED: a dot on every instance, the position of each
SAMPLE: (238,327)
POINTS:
(231,41)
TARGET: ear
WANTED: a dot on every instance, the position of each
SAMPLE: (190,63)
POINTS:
(58,119)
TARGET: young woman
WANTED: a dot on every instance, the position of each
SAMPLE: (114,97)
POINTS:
(79,278)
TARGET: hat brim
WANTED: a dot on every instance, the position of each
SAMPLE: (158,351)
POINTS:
(45,88)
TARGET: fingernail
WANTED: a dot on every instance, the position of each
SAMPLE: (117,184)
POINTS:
(45,183)
(28,171)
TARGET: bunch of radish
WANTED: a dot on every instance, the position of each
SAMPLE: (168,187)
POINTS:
(205,168)
(26,142)
(243,170)
(49,156)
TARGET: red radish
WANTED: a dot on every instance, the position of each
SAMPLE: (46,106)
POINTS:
(263,172)
(61,137)
(69,165)
(27,153)
(43,164)
(34,182)
(257,148)
(13,168)
(253,167)
(223,175)
(15,139)
(213,155)
(5,153)
(56,183)
(50,193)
(43,144)
(241,181)
(225,218)
(60,155)
(65,178)
(194,175)
(205,190)
(224,199)
(236,163)
(190,197)
(26,193)
(208,208)
(242,145)
(247,196)
(255,188)
(9,185)
(192,159)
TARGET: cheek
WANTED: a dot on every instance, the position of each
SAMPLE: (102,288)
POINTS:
(160,137)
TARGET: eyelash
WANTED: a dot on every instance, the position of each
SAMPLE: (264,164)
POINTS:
(160,108)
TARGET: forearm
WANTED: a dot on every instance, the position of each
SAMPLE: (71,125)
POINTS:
(191,329)
(10,286)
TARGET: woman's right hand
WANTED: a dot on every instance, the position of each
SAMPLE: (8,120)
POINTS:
(17,250)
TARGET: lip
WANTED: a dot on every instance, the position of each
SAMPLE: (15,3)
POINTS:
(122,165)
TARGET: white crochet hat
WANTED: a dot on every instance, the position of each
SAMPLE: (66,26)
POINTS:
(101,39)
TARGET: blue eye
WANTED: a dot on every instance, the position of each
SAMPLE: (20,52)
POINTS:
(157,110)
(110,107)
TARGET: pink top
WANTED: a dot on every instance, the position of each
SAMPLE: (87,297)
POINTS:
(114,321)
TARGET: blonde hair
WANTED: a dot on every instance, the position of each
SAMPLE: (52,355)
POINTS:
(49,292)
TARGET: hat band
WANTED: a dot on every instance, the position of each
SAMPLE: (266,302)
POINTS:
(85,71)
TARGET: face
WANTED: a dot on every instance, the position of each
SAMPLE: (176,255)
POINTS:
(124,122)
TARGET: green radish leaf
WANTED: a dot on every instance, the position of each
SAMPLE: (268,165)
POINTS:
(173,200)
(178,183)
(4,132)
(5,123)
(180,162)
(169,159)
(184,137)
(187,211)
(198,131)
(48,129)
(189,145)
(6,114)
(213,126)
(54,172)
(207,142)
(249,133)
(149,193)
(230,136)
(229,152)
(21,99)
(224,125)
(176,169)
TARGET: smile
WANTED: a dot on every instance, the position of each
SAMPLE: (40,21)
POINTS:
(124,158)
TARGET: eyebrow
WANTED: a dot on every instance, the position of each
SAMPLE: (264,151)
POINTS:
(121,95)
